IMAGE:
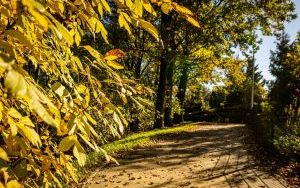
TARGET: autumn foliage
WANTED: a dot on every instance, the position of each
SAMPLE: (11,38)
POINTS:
(51,99)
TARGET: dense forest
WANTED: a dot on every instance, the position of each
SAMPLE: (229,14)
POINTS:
(75,75)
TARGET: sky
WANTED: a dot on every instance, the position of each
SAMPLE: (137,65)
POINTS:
(263,55)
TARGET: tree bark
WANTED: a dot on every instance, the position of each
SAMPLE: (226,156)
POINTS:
(182,85)
(164,64)
(169,93)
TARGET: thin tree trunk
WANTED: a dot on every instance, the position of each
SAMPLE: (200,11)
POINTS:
(161,94)
(164,64)
(182,85)
(169,93)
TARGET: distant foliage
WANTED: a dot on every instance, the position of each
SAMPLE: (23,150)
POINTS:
(285,94)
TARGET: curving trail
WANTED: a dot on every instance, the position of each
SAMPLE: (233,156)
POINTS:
(213,155)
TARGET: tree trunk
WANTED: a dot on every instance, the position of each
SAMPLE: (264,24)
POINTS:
(138,67)
(169,93)
(164,64)
(161,94)
(182,85)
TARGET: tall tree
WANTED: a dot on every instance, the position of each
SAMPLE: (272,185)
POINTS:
(285,66)
(227,24)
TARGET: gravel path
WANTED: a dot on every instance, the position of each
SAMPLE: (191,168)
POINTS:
(213,155)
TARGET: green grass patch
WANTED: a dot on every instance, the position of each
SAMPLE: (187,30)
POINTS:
(139,139)
(130,142)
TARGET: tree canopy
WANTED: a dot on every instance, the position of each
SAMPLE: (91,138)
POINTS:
(77,74)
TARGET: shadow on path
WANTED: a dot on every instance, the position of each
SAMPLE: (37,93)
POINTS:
(214,155)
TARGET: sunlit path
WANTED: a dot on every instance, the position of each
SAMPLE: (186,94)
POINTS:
(214,155)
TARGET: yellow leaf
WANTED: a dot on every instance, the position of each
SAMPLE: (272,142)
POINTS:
(127,17)
(1,110)
(192,21)
(30,134)
(123,22)
(15,83)
(3,154)
(12,112)
(77,38)
(138,8)
(93,52)
(123,97)
(166,8)
(129,4)
(61,7)
(13,126)
(119,122)
(38,108)
(87,98)
(106,6)
(61,31)
(79,153)
(148,7)
(7,47)
(100,9)
(114,54)
(149,28)
(72,171)
(40,19)
(182,10)
(26,121)
(19,36)
(81,88)
(114,65)
(59,89)
(86,140)
(67,142)
(13,184)
(89,117)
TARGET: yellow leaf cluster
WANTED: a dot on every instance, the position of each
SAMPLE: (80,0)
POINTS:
(51,101)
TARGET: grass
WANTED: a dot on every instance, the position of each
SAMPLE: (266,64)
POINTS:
(131,142)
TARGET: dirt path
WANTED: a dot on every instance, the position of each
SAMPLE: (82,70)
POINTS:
(210,156)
